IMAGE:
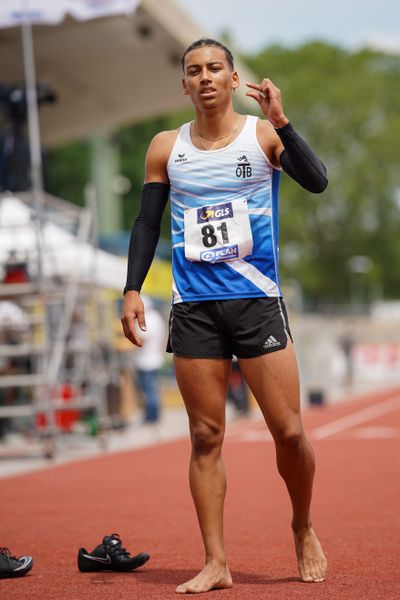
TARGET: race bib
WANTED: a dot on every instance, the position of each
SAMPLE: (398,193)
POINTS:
(218,232)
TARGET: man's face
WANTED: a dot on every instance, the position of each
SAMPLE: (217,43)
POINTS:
(208,77)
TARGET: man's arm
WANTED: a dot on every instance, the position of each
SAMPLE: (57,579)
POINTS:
(146,232)
(300,162)
(284,145)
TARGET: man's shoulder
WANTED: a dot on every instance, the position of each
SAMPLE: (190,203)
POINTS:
(268,140)
(165,139)
(161,145)
(265,128)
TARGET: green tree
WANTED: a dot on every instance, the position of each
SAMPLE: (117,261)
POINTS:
(346,105)
(67,170)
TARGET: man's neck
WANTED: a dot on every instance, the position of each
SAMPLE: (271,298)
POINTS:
(213,124)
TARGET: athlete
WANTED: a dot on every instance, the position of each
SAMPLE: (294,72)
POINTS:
(221,172)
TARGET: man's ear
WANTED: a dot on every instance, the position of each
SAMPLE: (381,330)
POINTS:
(235,80)
(184,88)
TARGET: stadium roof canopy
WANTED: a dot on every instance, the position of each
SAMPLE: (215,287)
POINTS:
(107,71)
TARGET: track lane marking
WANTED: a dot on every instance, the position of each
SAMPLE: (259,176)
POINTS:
(361,416)
(375,433)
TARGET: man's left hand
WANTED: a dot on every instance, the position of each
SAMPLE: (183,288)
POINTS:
(269,98)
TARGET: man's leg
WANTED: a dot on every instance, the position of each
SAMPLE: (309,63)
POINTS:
(152,406)
(273,379)
(203,384)
(142,382)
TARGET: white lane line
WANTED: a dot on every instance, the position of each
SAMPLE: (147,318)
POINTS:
(361,416)
(375,433)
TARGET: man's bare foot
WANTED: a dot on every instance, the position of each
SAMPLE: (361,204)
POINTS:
(310,556)
(214,576)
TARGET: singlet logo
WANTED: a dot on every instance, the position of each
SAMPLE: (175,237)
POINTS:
(214,213)
(181,158)
(243,167)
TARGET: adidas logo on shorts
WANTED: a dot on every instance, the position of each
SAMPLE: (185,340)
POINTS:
(271,342)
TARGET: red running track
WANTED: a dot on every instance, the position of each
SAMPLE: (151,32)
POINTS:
(143,495)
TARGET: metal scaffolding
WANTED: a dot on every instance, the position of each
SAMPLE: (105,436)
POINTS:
(51,364)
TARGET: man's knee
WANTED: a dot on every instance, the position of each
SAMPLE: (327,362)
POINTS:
(290,437)
(206,437)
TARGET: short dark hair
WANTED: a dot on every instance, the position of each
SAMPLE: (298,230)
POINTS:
(203,42)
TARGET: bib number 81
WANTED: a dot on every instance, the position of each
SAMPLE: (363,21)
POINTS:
(209,239)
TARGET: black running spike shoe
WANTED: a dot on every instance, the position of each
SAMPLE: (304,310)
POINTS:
(110,556)
(11,566)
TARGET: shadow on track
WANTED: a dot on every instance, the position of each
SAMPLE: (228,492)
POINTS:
(174,576)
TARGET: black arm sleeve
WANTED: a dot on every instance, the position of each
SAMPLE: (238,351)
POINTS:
(300,162)
(145,234)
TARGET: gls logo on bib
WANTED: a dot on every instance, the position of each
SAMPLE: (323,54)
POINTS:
(215,212)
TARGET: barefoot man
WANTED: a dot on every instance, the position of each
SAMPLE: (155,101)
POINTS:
(221,172)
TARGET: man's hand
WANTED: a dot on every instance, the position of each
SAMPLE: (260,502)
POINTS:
(133,309)
(269,98)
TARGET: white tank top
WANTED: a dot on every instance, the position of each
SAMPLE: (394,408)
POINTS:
(214,183)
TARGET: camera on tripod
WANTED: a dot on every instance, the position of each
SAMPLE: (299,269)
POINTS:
(14,146)
(13,100)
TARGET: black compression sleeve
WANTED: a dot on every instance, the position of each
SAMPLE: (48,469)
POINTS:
(300,162)
(145,234)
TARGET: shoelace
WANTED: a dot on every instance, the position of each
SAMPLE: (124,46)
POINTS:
(117,548)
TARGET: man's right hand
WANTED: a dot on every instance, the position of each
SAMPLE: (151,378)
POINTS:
(133,309)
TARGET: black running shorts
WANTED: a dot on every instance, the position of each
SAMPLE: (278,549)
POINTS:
(246,328)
